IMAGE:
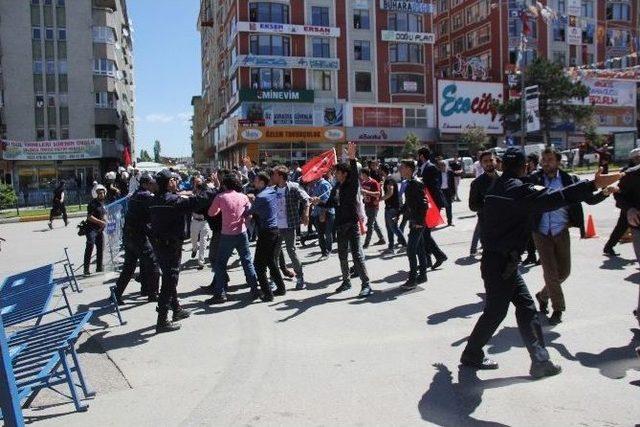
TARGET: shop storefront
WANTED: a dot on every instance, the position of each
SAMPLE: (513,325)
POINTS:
(386,143)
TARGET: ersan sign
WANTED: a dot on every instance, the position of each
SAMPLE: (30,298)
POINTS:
(408,37)
(271,27)
(463,105)
(406,6)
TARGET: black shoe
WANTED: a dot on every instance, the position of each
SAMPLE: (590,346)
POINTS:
(544,369)
(422,278)
(344,287)
(50,226)
(555,318)
(409,284)
(279,292)
(99,270)
(66,223)
(530,261)
(266,297)
(152,298)
(119,300)
(180,314)
(544,305)
(217,299)
(193,254)
(609,252)
(380,242)
(365,246)
(165,325)
(438,263)
(209,289)
(365,292)
(484,364)
(256,294)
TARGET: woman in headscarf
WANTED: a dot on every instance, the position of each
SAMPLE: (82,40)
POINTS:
(57,205)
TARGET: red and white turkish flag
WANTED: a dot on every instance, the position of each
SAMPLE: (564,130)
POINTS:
(315,168)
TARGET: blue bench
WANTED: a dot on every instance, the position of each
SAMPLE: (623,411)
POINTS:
(40,358)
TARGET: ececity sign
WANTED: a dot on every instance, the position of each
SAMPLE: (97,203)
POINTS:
(272,27)
(406,6)
(408,37)
(463,105)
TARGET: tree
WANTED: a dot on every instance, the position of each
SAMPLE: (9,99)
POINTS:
(592,137)
(411,145)
(156,151)
(475,139)
(144,156)
(557,98)
(8,198)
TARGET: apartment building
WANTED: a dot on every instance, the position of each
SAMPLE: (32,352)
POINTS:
(66,90)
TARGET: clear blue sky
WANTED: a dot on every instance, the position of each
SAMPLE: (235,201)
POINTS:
(167,72)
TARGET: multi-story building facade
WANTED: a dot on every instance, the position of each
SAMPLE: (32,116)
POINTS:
(285,80)
(198,147)
(66,80)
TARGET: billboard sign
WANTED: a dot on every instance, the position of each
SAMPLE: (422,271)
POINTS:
(610,93)
(271,27)
(463,105)
(406,6)
(279,134)
(267,61)
(407,37)
(66,149)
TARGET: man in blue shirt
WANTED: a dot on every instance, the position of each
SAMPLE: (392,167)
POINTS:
(323,217)
(269,243)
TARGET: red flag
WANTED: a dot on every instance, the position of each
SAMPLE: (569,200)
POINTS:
(126,157)
(433,218)
(315,168)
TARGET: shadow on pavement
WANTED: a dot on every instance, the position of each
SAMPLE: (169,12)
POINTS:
(448,404)
(614,362)
(467,260)
(460,312)
(633,278)
(397,277)
(301,306)
(324,283)
(236,302)
(616,263)
(385,295)
(105,341)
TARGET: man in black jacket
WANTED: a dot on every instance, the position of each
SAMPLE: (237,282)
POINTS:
(344,198)
(506,226)
(414,210)
(432,180)
(551,233)
(479,187)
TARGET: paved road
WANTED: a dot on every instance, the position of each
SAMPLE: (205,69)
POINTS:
(316,358)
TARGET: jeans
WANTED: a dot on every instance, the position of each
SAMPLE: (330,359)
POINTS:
(214,243)
(391,223)
(417,256)
(94,238)
(289,237)
(169,255)
(239,242)
(137,247)
(348,236)
(268,249)
(325,232)
(504,285)
(372,224)
(475,238)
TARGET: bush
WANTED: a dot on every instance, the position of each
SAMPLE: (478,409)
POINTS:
(8,198)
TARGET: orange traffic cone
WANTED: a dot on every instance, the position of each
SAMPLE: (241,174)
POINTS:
(591,228)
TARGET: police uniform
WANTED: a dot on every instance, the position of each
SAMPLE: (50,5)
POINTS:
(509,208)
(167,227)
(137,246)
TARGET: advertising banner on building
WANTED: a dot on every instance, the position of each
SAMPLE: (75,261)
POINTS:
(271,27)
(266,61)
(408,37)
(277,95)
(67,149)
(574,7)
(610,93)
(379,135)
(463,105)
(275,134)
(406,6)
(283,114)
(574,35)
(532,105)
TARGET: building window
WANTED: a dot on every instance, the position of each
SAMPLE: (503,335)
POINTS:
(269,12)
(106,100)
(320,16)
(64,133)
(363,82)
(443,27)
(104,67)
(415,118)
(559,58)
(457,21)
(444,50)
(61,3)
(50,67)
(588,31)
(458,45)
(478,37)
(618,11)
(361,19)
(559,32)
(40,134)
(35,2)
(442,6)
(405,52)
(321,80)
(405,22)
(478,12)
(361,50)
(63,85)
(62,50)
(587,8)
(270,78)
(62,34)
(269,45)
(36,33)
(104,35)
(48,33)
(64,116)
(407,83)
(53,134)
(320,47)
(515,28)
(62,67)
(618,38)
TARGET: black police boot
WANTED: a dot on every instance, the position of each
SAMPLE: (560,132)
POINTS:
(164,324)
(409,284)
(544,305)
(422,277)
(180,314)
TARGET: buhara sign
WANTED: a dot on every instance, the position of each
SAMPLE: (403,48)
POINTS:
(406,6)
(465,105)
(276,95)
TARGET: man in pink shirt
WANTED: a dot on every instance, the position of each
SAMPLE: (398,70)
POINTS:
(234,207)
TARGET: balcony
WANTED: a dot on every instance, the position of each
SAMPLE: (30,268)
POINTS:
(109,4)
(107,116)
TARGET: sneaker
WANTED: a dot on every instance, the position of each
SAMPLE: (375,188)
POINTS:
(388,251)
(272,286)
(86,273)
(365,292)
(166,326)
(217,299)
(300,284)
(544,369)
(323,257)
(66,222)
(484,364)
(256,294)
(344,287)
(365,246)
(200,266)
(180,314)
(50,226)
(280,292)
(380,242)
(267,298)
(609,252)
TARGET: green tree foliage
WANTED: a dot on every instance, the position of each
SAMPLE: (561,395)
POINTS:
(411,145)
(156,151)
(475,139)
(8,197)
(144,156)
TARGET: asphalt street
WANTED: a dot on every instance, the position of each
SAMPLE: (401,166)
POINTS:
(316,358)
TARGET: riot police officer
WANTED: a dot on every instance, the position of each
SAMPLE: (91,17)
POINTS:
(168,209)
(509,207)
(137,246)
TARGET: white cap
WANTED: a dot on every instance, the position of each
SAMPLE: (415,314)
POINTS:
(110,176)
(95,189)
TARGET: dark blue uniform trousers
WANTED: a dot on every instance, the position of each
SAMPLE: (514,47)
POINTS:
(137,247)
(169,254)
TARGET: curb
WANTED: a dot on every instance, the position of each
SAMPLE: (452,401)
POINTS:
(35,218)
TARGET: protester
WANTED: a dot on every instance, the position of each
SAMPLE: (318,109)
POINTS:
(507,214)
(370,189)
(344,198)
(57,205)
(457,167)
(477,192)
(447,185)
(199,226)
(391,200)
(323,218)
(95,224)
(477,166)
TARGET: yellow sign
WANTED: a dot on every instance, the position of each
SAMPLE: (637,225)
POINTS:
(291,134)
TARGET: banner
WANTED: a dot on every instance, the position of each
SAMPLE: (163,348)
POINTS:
(271,27)
(115,216)
(66,149)
(284,114)
(267,61)
(610,93)
(406,6)
(407,37)
(463,105)
(277,95)
(291,134)
(532,105)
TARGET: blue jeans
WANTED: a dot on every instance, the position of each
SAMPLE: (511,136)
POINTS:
(391,222)
(325,232)
(417,256)
(239,242)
